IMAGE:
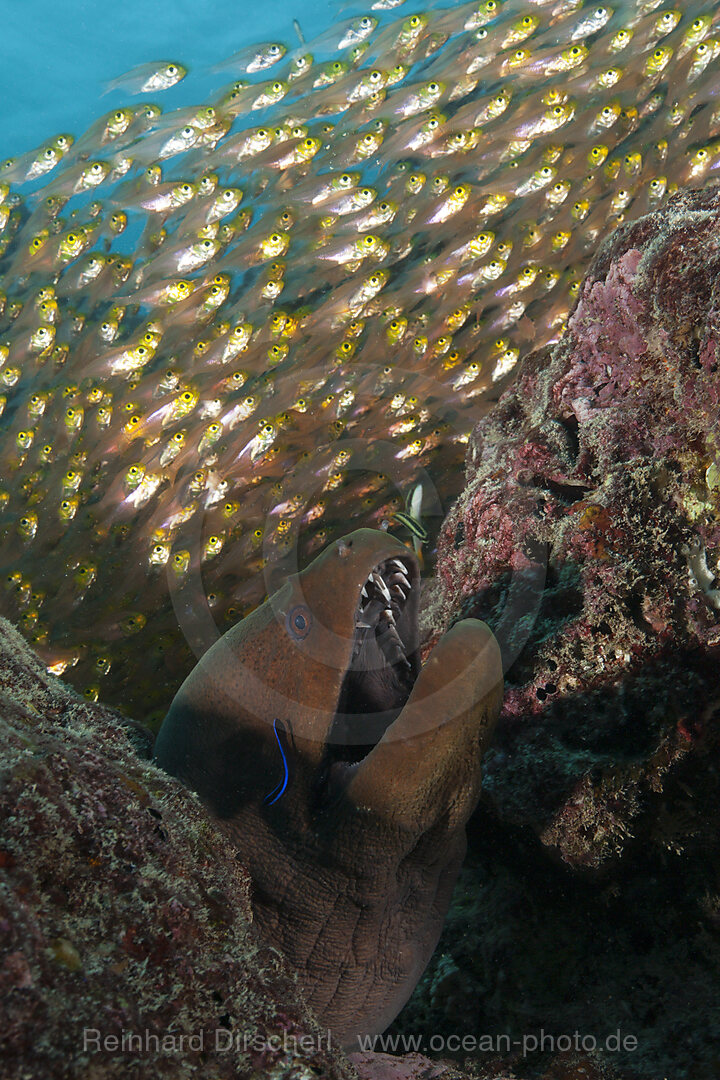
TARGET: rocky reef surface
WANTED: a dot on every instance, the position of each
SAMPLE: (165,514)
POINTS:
(124,911)
(588,537)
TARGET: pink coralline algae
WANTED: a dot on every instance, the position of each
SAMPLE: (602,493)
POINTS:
(588,536)
(126,944)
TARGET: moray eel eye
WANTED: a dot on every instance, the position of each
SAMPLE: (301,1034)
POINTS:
(299,621)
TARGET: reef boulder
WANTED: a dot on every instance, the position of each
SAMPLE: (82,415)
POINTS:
(123,912)
(588,537)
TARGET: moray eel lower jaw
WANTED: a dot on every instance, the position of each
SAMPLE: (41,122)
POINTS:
(320,694)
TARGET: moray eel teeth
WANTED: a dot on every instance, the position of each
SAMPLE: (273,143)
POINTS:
(343,770)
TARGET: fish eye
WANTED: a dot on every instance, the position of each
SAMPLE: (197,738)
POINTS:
(433,87)
(71,238)
(187,131)
(309,143)
(277,87)
(171,69)
(414,21)
(375,75)
(337,66)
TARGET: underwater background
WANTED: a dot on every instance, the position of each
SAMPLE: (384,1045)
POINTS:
(203,382)
(57,58)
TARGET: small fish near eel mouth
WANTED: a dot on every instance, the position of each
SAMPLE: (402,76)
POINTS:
(343,770)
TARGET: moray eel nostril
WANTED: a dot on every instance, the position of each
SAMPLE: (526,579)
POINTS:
(319,695)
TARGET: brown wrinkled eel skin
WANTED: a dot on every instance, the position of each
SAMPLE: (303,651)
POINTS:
(353,865)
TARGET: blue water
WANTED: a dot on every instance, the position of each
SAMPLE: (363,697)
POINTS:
(59,54)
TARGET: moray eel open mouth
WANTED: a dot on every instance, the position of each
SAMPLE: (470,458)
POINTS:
(343,770)
(385,659)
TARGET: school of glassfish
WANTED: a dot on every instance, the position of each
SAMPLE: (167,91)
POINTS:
(230,333)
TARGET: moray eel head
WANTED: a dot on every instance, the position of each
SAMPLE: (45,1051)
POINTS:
(343,770)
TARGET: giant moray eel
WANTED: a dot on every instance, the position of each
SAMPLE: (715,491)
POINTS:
(343,770)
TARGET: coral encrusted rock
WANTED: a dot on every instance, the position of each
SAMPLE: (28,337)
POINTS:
(588,537)
(126,943)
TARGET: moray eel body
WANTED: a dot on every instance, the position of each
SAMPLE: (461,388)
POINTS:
(319,694)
